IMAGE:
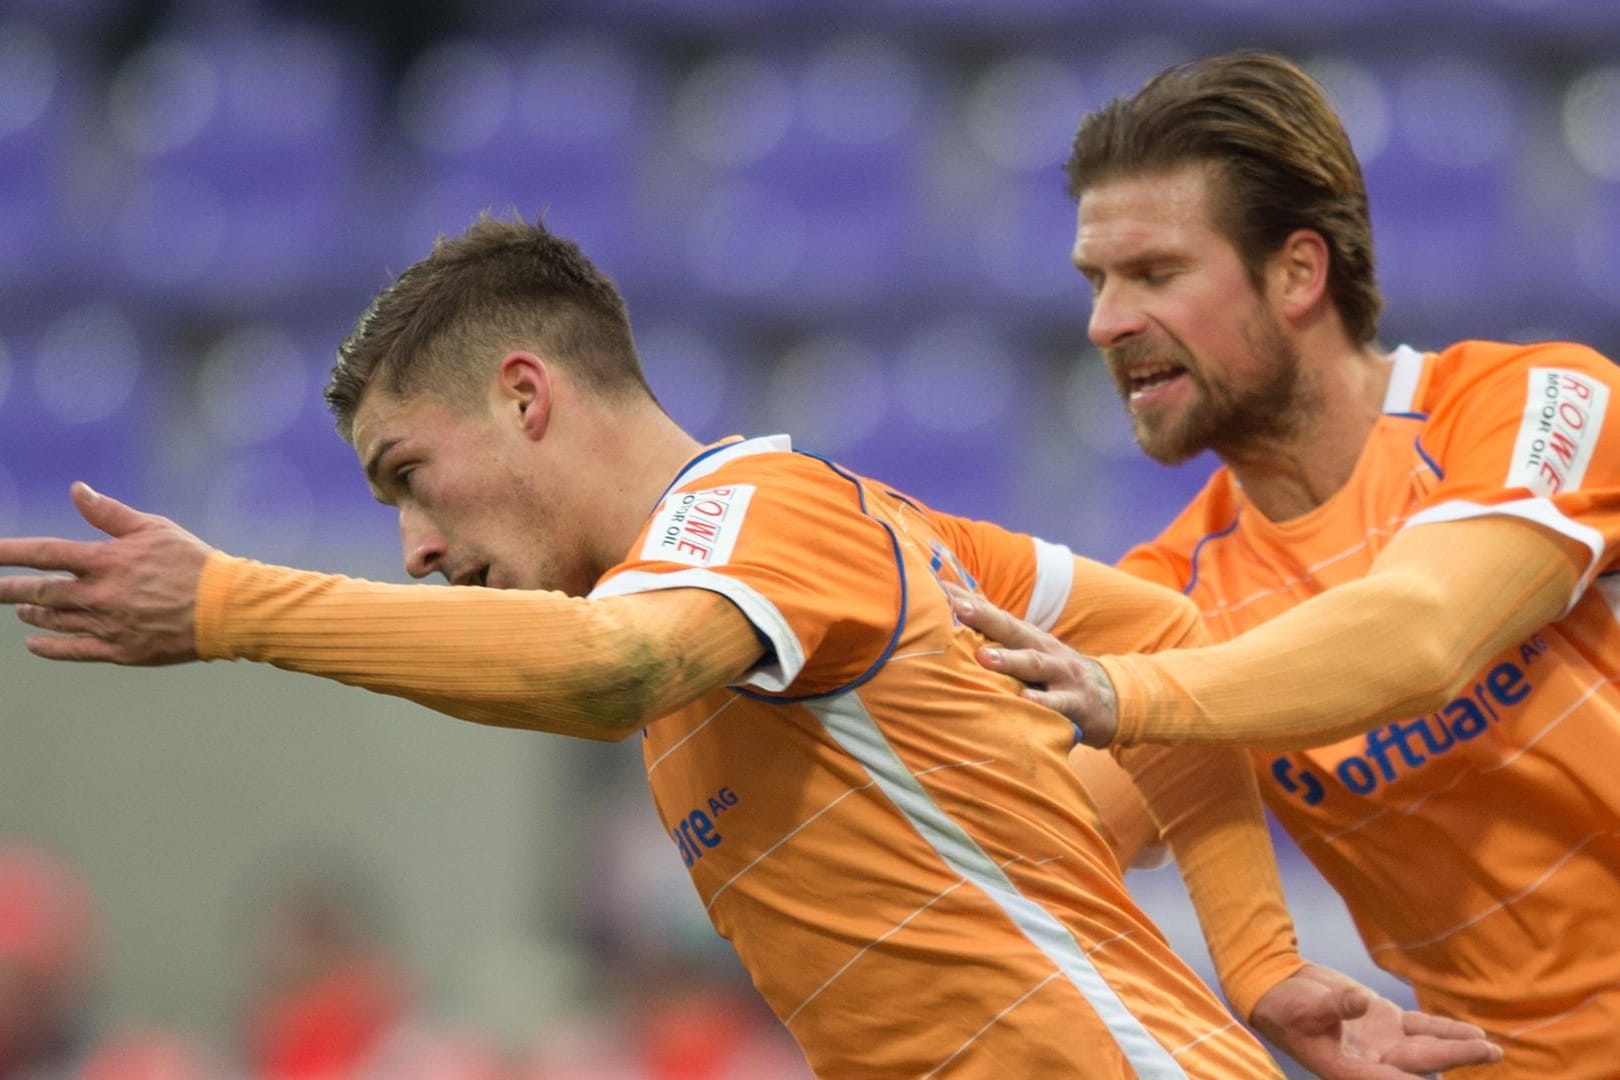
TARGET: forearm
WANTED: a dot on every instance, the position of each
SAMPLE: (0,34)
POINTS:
(591,668)
(1204,805)
(1397,642)
(1208,808)
(1123,816)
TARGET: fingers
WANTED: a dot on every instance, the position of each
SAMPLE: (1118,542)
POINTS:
(57,620)
(1421,1023)
(80,648)
(1025,665)
(47,553)
(1422,1055)
(46,590)
(1353,1002)
(995,624)
(1436,1043)
(107,513)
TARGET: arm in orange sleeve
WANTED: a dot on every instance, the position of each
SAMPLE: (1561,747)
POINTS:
(1123,816)
(1204,801)
(597,669)
(1207,806)
(1440,600)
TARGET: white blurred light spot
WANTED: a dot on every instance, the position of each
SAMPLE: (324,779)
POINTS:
(578,88)
(861,89)
(87,364)
(163,96)
(746,240)
(252,385)
(1022,113)
(955,376)
(170,230)
(1359,99)
(260,504)
(686,372)
(1592,122)
(828,393)
(1095,410)
(27,75)
(455,96)
(1456,112)
(733,110)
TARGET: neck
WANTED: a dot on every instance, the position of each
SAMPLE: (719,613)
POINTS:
(1288,476)
(635,456)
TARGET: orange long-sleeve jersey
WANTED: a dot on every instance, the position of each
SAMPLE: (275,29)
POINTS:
(890,836)
(1477,845)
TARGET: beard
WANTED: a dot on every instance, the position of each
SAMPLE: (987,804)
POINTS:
(1233,420)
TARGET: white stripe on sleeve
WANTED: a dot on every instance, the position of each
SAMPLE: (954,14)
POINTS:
(774,675)
(1541,511)
(1054,578)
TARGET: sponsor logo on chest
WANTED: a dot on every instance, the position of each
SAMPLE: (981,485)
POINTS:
(698,528)
(1392,751)
(1563,417)
(698,831)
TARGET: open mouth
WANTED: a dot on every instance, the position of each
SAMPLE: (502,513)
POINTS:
(1141,382)
(479,577)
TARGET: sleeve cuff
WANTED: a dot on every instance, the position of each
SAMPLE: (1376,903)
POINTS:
(213,593)
(1131,695)
(1245,992)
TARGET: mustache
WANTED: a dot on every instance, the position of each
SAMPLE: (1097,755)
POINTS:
(1137,352)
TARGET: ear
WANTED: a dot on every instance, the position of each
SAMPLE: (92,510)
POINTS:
(524,388)
(1298,273)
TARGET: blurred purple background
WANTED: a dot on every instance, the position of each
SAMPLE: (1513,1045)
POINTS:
(844,220)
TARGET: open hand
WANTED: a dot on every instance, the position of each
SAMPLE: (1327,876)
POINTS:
(1054,675)
(1341,1030)
(129,599)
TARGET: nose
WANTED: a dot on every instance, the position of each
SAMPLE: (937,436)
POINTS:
(422,545)
(1114,318)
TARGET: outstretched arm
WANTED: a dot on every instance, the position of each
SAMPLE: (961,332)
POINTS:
(154,594)
(1441,600)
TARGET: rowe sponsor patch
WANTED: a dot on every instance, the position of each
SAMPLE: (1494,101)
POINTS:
(698,528)
(1563,417)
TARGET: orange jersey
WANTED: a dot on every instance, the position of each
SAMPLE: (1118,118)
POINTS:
(1478,846)
(887,833)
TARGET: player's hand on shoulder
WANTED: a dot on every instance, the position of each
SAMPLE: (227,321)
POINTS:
(127,599)
(1053,674)
(1341,1030)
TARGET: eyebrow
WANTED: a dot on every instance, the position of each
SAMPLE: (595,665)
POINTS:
(1135,262)
(375,460)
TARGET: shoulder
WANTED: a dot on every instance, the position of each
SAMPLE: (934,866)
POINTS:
(1469,368)
(768,470)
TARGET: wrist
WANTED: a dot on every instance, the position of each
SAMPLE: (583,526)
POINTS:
(212,604)
(1122,693)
